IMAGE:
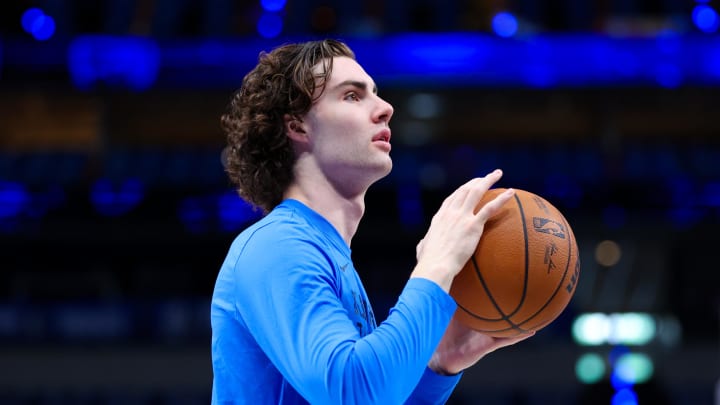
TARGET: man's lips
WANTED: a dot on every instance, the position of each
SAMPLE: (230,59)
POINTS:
(383,136)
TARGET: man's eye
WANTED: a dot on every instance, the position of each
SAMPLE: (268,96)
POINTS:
(352,96)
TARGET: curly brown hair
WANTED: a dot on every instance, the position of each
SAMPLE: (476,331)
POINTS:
(260,156)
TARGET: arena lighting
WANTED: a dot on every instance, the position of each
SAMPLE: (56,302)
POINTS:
(131,62)
(505,24)
(445,59)
(269,25)
(18,204)
(425,54)
(14,198)
(30,18)
(631,369)
(272,5)
(591,329)
(608,253)
(540,61)
(705,18)
(590,368)
(36,23)
(115,199)
(625,396)
(633,328)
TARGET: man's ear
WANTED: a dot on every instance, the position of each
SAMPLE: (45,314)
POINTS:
(295,128)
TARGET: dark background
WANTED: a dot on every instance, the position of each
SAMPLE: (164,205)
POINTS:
(115,212)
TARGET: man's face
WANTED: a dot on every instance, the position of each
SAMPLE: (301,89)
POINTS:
(347,128)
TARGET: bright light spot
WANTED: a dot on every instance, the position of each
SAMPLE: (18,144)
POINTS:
(634,368)
(13,199)
(36,23)
(590,368)
(29,18)
(591,329)
(631,329)
(625,396)
(272,5)
(269,25)
(428,54)
(45,29)
(608,253)
(505,24)
(705,18)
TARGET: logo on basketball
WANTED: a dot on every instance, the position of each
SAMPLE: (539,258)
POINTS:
(574,278)
(541,204)
(550,251)
(549,226)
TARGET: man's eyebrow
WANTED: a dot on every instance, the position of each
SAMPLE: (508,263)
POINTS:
(357,84)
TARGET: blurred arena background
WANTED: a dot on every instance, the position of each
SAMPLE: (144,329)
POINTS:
(115,213)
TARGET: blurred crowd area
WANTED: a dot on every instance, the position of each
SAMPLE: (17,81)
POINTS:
(218,18)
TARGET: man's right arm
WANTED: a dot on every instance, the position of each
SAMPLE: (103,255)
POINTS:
(289,302)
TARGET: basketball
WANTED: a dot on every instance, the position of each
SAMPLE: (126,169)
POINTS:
(524,271)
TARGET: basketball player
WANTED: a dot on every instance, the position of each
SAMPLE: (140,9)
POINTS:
(291,322)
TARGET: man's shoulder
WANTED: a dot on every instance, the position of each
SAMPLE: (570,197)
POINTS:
(278,223)
(280,229)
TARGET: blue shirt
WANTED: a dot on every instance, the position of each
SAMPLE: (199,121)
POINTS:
(291,323)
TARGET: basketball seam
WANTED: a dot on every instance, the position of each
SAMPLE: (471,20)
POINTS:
(503,317)
(562,280)
(527,257)
(489,295)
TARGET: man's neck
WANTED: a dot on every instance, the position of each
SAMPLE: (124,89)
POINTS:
(342,212)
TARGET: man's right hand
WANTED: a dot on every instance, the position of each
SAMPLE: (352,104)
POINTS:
(455,230)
